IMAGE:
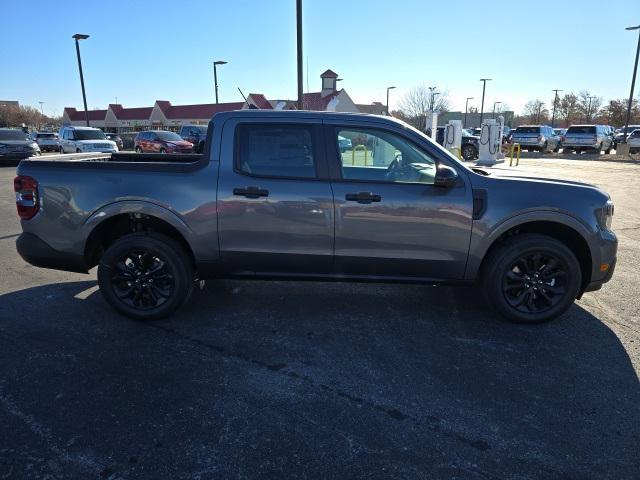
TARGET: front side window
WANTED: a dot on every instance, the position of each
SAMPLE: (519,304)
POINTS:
(276,151)
(376,155)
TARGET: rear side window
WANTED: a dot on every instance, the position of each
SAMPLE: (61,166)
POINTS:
(528,130)
(276,151)
(582,130)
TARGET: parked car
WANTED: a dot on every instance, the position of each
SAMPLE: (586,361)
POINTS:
(161,141)
(47,141)
(344,144)
(633,139)
(16,145)
(84,139)
(195,134)
(539,138)
(468,147)
(582,138)
(114,137)
(274,198)
(619,135)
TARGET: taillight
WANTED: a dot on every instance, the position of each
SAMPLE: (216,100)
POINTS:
(27,201)
(539,138)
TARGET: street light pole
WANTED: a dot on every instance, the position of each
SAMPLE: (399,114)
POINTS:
(215,75)
(80,36)
(299,49)
(388,88)
(466,108)
(494,109)
(589,108)
(484,86)
(555,102)
(633,84)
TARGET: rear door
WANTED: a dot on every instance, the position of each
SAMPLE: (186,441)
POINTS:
(275,205)
(391,221)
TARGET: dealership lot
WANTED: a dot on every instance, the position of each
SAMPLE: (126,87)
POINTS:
(274,379)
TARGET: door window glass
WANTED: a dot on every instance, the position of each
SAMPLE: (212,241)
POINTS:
(276,151)
(376,155)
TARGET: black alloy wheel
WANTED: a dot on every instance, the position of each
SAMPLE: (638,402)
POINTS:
(535,283)
(142,280)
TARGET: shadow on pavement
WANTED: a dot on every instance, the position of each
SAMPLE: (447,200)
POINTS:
(311,380)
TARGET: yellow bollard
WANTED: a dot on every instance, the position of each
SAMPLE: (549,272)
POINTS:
(353,154)
(514,147)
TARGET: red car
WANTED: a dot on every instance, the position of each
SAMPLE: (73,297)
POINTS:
(161,141)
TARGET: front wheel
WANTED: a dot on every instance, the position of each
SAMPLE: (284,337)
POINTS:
(531,278)
(145,276)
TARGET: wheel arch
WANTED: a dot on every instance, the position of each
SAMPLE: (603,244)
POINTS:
(116,220)
(561,227)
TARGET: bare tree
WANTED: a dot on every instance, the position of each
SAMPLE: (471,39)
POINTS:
(536,112)
(419,101)
(589,105)
(615,112)
(568,109)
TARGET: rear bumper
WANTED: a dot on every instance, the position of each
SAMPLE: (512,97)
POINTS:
(39,253)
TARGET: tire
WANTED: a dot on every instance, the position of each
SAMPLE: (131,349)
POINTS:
(78,150)
(549,284)
(567,150)
(124,268)
(558,147)
(469,152)
(599,150)
(138,150)
(543,149)
(61,150)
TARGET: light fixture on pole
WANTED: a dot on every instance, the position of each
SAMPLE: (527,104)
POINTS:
(466,108)
(633,84)
(387,108)
(484,86)
(215,75)
(494,109)
(81,36)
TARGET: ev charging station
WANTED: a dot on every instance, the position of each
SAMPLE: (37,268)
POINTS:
(453,137)
(432,123)
(490,152)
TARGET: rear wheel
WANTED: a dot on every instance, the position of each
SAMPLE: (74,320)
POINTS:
(145,276)
(544,147)
(531,278)
(61,150)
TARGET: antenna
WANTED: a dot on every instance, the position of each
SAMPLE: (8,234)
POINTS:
(245,98)
(251,105)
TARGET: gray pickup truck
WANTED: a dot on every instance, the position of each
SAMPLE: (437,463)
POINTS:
(273,196)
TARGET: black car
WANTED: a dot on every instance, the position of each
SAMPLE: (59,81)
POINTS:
(468,147)
(16,145)
(114,137)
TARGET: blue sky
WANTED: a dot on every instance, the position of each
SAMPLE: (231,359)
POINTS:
(143,51)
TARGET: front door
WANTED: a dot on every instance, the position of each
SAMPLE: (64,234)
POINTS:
(391,221)
(275,209)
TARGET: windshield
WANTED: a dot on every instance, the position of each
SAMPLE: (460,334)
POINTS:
(527,130)
(585,130)
(169,136)
(12,135)
(89,135)
(201,128)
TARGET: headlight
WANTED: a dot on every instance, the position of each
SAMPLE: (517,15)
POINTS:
(34,146)
(605,215)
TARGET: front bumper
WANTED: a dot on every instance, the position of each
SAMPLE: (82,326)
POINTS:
(607,252)
(39,253)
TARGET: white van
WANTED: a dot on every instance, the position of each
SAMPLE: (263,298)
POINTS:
(84,139)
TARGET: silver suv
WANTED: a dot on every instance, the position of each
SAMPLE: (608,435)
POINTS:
(582,138)
(536,137)
(84,139)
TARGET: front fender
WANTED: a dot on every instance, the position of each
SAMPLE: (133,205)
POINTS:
(483,235)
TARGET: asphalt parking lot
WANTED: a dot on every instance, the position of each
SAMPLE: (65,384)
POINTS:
(311,380)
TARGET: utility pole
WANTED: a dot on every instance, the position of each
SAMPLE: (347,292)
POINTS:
(555,102)
(633,84)
(484,86)
(299,48)
(466,108)
(80,36)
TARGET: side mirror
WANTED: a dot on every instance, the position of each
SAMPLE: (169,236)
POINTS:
(446,176)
